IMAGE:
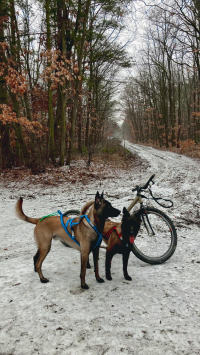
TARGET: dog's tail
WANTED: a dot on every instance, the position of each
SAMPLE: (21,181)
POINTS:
(20,214)
(86,206)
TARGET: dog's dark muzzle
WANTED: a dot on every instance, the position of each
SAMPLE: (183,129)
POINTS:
(114,212)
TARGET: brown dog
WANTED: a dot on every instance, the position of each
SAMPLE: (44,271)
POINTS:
(86,234)
(119,237)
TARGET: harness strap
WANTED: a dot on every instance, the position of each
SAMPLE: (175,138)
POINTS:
(108,234)
(65,226)
(49,215)
(70,223)
(95,229)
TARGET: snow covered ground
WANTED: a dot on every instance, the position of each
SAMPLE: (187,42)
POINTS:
(157,313)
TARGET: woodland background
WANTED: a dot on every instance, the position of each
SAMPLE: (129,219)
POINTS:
(70,69)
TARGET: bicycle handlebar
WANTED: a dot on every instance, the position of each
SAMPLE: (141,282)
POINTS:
(156,199)
(140,188)
(148,182)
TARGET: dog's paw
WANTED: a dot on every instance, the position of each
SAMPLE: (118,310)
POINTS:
(109,277)
(128,278)
(44,280)
(88,265)
(85,287)
(100,281)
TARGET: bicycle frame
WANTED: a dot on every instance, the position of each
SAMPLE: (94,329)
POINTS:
(137,199)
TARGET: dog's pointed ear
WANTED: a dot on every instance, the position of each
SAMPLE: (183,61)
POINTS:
(126,213)
(98,199)
(101,196)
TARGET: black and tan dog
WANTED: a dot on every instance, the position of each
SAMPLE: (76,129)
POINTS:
(86,234)
(119,237)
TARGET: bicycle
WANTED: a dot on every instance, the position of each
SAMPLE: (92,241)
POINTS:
(156,240)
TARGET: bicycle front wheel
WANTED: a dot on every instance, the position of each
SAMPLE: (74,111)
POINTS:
(156,240)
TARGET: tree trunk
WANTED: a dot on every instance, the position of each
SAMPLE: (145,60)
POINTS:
(79,115)
(6,154)
(61,110)
(78,81)
(50,96)
(88,119)
(15,52)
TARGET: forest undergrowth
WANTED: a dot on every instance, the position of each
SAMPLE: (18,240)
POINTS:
(102,166)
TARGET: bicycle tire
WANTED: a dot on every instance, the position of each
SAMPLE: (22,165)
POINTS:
(73,213)
(158,248)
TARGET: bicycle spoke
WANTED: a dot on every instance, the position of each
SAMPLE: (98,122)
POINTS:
(156,240)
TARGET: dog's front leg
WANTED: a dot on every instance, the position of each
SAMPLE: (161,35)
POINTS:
(125,256)
(109,256)
(114,247)
(96,265)
(85,250)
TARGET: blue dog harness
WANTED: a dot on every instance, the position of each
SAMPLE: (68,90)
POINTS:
(70,223)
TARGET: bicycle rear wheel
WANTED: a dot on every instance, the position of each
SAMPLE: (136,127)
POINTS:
(71,213)
(157,238)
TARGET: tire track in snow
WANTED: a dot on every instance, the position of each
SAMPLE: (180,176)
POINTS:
(177,177)
(169,164)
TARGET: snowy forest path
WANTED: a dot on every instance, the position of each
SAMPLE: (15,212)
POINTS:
(177,175)
(156,313)
(179,167)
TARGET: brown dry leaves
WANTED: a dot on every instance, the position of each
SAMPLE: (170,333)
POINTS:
(58,69)
(16,81)
(99,170)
